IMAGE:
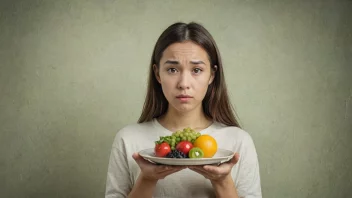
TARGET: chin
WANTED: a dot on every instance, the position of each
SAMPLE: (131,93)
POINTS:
(183,108)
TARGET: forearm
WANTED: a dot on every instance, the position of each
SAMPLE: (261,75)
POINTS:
(225,188)
(144,188)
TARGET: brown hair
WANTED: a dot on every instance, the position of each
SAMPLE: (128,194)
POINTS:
(216,103)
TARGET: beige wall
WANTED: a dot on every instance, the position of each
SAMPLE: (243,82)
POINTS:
(73,72)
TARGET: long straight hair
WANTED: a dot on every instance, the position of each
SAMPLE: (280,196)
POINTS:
(216,103)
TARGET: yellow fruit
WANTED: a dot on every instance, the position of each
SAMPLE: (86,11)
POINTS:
(208,145)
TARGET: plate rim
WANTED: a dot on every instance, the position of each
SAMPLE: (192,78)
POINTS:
(220,160)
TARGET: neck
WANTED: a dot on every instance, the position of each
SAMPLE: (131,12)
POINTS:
(175,120)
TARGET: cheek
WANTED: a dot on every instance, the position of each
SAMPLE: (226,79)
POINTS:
(202,87)
(203,82)
(166,82)
(167,85)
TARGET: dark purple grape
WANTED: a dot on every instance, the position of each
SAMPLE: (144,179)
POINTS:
(176,154)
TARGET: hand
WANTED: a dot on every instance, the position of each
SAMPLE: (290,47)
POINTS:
(216,173)
(152,171)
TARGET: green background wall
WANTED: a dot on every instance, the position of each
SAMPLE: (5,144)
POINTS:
(73,72)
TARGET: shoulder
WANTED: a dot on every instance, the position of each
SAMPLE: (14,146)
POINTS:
(231,136)
(134,128)
(133,131)
(231,132)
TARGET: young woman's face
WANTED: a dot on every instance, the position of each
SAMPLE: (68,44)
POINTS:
(184,74)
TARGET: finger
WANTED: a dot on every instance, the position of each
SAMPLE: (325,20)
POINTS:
(137,158)
(200,169)
(217,170)
(213,169)
(235,159)
(209,169)
(232,162)
(141,161)
(205,174)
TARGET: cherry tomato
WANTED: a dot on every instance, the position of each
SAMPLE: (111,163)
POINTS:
(161,150)
(184,146)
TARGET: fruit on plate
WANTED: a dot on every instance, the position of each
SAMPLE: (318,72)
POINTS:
(178,136)
(207,144)
(176,154)
(184,146)
(162,149)
(196,152)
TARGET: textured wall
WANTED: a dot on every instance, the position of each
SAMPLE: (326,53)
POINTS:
(73,72)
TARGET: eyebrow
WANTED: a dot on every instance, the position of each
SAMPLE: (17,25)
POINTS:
(173,62)
(197,62)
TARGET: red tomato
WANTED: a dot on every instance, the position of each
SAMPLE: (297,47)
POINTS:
(161,150)
(184,146)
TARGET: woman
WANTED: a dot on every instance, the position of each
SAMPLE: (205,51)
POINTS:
(186,88)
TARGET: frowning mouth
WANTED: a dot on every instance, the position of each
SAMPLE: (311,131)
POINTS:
(184,96)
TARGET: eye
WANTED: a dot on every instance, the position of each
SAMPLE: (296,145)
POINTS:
(197,71)
(171,70)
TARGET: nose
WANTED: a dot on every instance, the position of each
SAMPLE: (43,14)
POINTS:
(184,81)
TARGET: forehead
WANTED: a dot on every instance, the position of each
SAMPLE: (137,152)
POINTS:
(187,49)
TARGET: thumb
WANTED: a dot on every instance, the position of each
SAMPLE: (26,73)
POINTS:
(235,158)
(136,157)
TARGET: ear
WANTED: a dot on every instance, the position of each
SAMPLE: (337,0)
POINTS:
(156,73)
(212,74)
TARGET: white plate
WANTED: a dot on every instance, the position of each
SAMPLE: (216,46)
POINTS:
(221,156)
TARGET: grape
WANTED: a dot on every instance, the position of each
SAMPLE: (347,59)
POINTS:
(187,134)
(176,154)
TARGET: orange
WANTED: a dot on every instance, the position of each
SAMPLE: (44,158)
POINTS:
(208,145)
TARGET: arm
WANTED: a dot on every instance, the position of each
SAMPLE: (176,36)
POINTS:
(118,183)
(248,185)
(149,176)
(248,182)
(143,188)
(225,188)
(223,178)
(220,177)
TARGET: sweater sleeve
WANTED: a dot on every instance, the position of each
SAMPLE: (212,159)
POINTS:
(118,183)
(248,185)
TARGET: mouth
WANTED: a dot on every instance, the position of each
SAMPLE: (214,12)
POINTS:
(184,96)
